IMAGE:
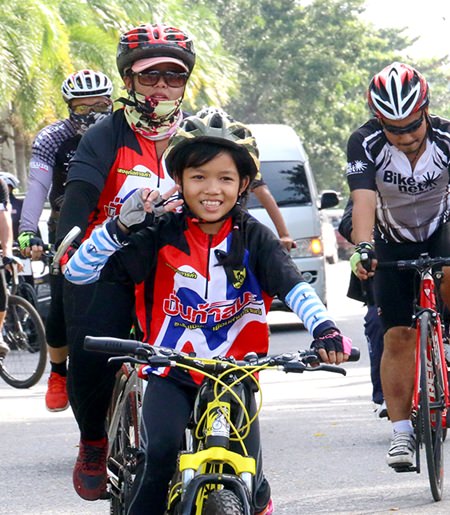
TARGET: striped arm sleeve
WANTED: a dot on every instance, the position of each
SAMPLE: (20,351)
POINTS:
(305,303)
(85,266)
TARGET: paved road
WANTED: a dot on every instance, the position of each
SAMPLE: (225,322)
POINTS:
(324,451)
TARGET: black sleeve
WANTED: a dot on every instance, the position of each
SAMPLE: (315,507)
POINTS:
(137,260)
(274,268)
(346,226)
(361,170)
(80,199)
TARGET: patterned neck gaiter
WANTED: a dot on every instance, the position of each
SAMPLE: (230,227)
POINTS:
(154,119)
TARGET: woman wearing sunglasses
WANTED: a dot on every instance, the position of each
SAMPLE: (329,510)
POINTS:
(120,154)
(398,176)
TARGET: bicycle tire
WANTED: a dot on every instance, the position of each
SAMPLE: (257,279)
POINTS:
(24,332)
(26,291)
(223,502)
(122,456)
(431,405)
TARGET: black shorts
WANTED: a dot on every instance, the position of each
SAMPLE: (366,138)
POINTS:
(396,291)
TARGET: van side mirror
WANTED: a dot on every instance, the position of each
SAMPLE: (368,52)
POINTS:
(329,198)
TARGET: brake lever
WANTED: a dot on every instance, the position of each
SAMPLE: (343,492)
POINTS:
(126,359)
(329,368)
(294,366)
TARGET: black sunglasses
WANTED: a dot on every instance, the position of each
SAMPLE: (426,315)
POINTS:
(412,127)
(172,79)
(99,107)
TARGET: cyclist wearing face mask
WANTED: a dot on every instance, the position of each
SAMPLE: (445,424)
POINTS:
(88,97)
(114,158)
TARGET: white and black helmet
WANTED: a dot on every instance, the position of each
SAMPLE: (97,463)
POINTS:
(10,179)
(86,83)
(397,92)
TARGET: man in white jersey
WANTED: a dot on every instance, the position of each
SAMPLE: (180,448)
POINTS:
(398,176)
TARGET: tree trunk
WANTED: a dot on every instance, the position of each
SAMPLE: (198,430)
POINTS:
(21,154)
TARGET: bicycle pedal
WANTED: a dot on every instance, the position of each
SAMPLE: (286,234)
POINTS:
(405,468)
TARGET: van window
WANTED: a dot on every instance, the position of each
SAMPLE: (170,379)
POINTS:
(286,181)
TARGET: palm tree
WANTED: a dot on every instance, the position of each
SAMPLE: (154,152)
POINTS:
(47,40)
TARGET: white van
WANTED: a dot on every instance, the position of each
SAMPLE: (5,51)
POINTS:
(285,169)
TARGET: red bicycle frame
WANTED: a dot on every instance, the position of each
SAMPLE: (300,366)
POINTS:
(428,302)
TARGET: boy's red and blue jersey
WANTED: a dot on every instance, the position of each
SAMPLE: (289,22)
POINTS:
(187,309)
(186,298)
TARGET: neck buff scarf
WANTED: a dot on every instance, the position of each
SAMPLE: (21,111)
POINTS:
(82,122)
(154,119)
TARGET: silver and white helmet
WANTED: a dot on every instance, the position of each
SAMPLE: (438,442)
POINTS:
(10,179)
(86,83)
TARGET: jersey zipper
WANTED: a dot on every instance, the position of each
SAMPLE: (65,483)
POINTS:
(159,172)
(210,239)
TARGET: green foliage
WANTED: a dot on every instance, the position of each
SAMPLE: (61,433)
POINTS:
(304,63)
(68,36)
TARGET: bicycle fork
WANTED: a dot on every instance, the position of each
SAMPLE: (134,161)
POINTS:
(201,471)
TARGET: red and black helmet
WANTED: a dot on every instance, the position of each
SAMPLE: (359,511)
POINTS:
(154,40)
(397,92)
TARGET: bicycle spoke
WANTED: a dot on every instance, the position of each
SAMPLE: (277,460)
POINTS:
(431,402)
(124,437)
(24,333)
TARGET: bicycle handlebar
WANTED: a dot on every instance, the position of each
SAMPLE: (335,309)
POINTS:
(420,264)
(63,247)
(163,357)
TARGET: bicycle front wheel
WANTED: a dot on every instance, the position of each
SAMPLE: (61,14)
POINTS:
(223,502)
(24,333)
(431,404)
(124,437)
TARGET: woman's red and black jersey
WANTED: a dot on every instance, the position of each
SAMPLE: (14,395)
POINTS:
(116,161)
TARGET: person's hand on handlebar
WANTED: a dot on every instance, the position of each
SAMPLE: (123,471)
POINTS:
(333,347)
(30,245)
(363,261)
(10,261)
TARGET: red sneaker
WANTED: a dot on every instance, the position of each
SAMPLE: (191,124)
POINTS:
(268,510)
(89,473)
(56,398)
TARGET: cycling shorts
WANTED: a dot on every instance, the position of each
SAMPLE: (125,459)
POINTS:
(396,291)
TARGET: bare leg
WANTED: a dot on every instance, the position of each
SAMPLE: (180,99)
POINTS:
(58,355)
(398,370)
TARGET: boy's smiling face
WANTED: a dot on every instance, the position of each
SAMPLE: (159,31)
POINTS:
(212,189)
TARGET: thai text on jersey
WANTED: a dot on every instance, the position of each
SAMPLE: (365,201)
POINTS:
(397,92)
(86,83)
(154,40)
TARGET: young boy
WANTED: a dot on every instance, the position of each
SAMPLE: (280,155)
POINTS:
(206,273)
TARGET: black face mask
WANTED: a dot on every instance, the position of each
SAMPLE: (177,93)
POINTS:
(82,122)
